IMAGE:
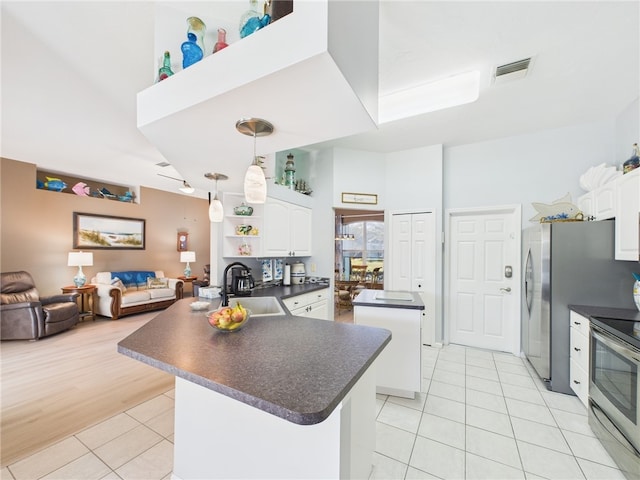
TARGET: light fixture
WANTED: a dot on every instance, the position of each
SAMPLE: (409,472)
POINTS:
(343,235)
(429,97)
(186,257)
(216,212)
(185,188)
(80,259)
(255,183)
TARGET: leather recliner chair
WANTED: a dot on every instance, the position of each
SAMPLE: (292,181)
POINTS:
(24,315)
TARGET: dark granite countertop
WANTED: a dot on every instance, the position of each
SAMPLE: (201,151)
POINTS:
(619,322)
(296,368)
(282,291)
(607,312)
(388,299)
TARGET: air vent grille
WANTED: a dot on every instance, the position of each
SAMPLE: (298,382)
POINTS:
(513,67)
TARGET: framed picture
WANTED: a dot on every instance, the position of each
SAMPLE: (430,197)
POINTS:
(183,241)
(107,232)
(367,198)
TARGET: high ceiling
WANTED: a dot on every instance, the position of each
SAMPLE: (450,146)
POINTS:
(71,72)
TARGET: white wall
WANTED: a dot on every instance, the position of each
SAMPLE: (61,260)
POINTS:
(627,131)
(414,178)
(357,171)
(538,167)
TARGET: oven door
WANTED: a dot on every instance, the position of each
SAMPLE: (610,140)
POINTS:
(614,384)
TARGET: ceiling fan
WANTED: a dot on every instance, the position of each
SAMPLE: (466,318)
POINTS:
(185,188)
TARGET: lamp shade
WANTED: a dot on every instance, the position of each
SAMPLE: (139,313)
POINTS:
(216,212)
(80,259)
(255,185)
(186,257)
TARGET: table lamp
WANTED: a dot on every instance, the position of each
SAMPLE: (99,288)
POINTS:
(186,257)
(80,259)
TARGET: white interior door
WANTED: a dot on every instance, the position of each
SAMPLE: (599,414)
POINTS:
(413,262)
(484,279)
(400,261)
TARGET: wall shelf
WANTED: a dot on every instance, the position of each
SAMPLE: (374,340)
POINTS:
(69,184)
(319,89)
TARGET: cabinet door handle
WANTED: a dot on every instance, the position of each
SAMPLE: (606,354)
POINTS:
(576,323)
(576,349)
(576,382)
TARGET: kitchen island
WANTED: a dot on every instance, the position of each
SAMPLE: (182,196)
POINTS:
(285,397)
(399,369)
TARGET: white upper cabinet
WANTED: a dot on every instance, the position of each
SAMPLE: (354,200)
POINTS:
(313,74)
(628,216)
(600,202)
(287,229)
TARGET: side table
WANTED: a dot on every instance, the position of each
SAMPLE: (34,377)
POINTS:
(188,280)
(86,301)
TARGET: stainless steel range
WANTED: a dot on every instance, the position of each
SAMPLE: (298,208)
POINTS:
(614,389)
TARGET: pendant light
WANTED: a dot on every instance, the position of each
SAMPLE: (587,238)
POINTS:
(255,182)
(216,212)
(185,188)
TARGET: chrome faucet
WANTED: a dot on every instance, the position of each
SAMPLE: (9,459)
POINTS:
(225,295)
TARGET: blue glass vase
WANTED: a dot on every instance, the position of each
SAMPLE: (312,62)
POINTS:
(251,21)
(191,52)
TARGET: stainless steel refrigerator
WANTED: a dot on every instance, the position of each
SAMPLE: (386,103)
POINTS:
(567,263)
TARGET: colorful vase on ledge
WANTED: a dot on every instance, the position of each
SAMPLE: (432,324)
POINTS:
(165,70)
(222,40)
(251,21)
(198,28)
(191,52)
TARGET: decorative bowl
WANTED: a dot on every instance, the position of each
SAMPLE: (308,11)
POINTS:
(228,319)
(199,305)
(243,229)
(243,209)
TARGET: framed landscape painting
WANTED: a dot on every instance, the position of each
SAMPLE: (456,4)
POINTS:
(104,231)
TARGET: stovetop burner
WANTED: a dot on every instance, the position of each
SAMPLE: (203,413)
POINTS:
(627,330)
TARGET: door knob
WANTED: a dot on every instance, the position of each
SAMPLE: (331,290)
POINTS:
(508,289)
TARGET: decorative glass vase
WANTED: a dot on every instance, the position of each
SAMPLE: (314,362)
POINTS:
(165,70)
(198,28)
(191,52)
(222,40)
(251,21)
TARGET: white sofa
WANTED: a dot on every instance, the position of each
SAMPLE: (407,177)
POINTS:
(134,291)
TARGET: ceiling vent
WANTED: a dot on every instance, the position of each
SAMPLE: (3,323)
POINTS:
(512,71)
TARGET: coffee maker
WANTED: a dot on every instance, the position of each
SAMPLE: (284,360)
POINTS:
(241,281)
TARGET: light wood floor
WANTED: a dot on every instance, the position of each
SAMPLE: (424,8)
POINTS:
(57,386)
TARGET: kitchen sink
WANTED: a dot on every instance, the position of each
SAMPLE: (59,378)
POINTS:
(259,306)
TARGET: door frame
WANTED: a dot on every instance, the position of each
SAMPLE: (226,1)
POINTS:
(515,211)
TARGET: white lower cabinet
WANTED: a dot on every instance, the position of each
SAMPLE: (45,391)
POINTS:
(579,356)
(313,304)
(399,366)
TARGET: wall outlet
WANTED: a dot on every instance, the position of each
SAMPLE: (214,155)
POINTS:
(313,268)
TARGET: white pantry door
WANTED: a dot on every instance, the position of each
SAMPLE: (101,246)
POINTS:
(484,279)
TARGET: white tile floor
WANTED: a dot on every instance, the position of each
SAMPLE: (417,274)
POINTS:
(481,415)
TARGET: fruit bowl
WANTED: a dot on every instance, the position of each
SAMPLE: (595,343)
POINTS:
(228,319)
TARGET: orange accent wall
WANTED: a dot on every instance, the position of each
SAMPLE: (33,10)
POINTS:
(36,230)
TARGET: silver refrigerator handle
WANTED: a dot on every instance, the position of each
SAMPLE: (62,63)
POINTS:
(528,281)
